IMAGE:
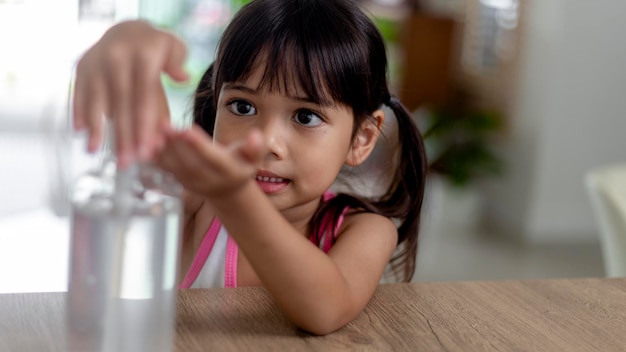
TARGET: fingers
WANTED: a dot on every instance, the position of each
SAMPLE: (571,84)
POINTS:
(79,105)
(149,99)
(190,164)
(120,92)
(199,142)
(251,149)
(175,60)
(179,159)
(120,76)
(88,104)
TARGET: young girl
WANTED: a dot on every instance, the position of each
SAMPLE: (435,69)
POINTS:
(295,93)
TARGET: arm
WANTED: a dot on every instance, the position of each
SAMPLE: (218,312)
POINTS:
(318,292)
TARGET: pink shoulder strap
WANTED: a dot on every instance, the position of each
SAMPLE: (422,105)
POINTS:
(203,253)
(230,265)
(329,239)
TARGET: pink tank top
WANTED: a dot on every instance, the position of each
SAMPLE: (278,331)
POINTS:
(215,263)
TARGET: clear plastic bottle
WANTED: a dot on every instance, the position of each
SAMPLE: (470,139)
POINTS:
(124,253)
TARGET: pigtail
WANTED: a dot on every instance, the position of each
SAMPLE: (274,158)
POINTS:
(402,200)
(406,192)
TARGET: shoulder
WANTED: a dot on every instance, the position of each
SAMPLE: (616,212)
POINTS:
(365,243)
(380,229)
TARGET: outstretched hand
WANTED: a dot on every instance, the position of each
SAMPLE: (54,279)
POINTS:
(209,168)
(120,77)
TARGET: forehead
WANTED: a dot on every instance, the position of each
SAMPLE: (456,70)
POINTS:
(281,81)
(287,75)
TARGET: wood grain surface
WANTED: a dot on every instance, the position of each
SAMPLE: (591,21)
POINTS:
(542,315)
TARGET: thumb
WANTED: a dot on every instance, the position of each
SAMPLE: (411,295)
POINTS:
(176,60)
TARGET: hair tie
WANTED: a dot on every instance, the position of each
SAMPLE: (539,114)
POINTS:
(391,99)
(387,100)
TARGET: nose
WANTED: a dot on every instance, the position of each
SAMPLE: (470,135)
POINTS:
(276,134)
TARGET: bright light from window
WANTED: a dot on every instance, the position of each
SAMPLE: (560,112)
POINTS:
(500,4)
(37,50)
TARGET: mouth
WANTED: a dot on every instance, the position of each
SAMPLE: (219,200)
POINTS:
(270,179)
(271,183)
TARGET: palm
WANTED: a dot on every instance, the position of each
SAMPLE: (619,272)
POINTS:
(207,167)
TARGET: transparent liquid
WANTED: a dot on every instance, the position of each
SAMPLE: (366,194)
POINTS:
(122,282)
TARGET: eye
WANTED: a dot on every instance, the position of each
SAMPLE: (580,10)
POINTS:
(241,107)
(308,118)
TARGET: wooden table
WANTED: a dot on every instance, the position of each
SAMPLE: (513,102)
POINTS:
(540,315)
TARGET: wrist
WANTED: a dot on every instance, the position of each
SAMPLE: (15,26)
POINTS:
(234,198)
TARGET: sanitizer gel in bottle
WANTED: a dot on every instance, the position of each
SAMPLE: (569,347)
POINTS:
(124,250)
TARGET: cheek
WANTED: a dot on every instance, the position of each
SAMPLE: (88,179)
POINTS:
(321,161)
(224,133)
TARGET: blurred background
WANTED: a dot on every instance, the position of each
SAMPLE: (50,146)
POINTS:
(517,101)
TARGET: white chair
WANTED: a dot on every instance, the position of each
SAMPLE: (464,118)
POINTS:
(606,187)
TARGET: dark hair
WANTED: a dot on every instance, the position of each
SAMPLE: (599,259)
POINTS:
(337,55)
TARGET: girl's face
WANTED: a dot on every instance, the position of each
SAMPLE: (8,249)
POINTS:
(308,143)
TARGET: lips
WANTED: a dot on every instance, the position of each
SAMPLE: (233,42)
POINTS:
(270,182)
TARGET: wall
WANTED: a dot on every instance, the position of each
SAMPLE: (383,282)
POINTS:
(568,117)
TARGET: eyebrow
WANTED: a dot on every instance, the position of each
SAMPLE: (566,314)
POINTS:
(240,87)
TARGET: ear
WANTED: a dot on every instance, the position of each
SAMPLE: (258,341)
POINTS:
(365,139)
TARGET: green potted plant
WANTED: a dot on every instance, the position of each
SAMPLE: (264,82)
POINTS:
(459,140)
